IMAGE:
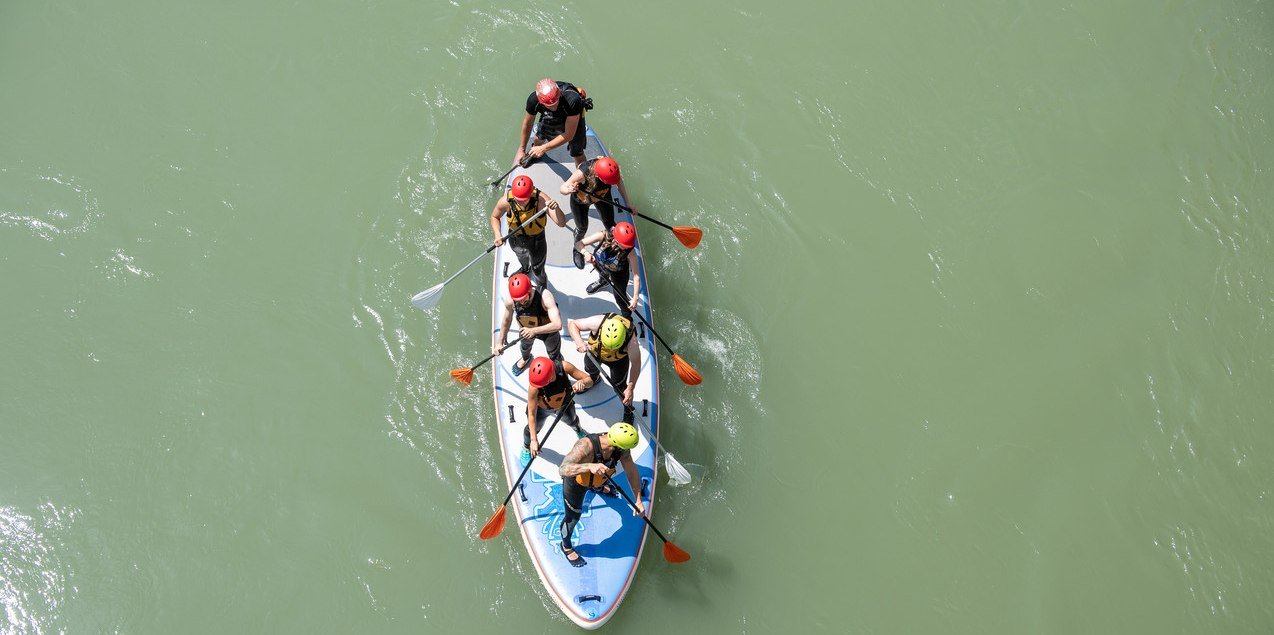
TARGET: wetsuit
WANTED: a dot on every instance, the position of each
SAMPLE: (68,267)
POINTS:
(553,122)
(612,266)
(573,491)
(533,315)
(529,244)
(551,398)
(601,197)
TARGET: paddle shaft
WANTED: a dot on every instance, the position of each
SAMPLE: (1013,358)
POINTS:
(640,419)
(492,355)
(493,246)
(526,160)
(628,498)
(569,401)
(624,296)
(625,208)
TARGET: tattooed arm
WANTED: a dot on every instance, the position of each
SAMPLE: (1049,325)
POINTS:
(576,461)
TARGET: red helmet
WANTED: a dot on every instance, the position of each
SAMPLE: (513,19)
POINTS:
(519,286)
(542,372)
(625,234)
(607,170)
(522,187)
(546,91)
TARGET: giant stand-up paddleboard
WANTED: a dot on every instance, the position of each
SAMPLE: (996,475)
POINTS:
(608,536)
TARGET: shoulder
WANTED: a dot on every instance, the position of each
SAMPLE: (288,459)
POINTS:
(532,104)
(572,102)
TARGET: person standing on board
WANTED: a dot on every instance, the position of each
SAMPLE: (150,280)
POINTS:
(549,387)
(586,467)
(538,319)
(614,260)
(520,204)
(560,106)
(590,185)
(611,341)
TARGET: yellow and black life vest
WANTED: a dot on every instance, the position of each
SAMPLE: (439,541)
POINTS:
(600,352)
(519,212)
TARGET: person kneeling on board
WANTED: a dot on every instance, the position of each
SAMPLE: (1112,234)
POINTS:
(611,341)
(550,386)
(586,467)
(521,203)
(560,106)
(538,319)
(591,185)
(614,260)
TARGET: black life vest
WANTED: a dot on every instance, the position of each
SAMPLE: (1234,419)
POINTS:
(519,212)
(592,184)
(533,314)
(553,395)
(600,352)
(616,455)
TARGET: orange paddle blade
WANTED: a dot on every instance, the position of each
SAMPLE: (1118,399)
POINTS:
(495,525)
(674,554)
(685,371)
(689,236)
(462,375)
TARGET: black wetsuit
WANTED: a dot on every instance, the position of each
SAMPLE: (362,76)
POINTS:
(573,492)
(613,267)
(600,196)
(532,315)
(557,391)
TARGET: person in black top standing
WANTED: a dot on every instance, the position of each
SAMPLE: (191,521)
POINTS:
(560,106)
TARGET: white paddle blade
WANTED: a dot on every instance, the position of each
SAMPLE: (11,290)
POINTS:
(677,475)
(427,299)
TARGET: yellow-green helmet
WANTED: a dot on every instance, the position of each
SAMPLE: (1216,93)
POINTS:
(623,436)
(613,333)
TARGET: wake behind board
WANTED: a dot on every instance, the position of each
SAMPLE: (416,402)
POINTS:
(608,536)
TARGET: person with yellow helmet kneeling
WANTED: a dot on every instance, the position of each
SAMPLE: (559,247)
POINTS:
(586,467)
(611,341)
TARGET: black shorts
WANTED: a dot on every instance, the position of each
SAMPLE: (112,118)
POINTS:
(574,147)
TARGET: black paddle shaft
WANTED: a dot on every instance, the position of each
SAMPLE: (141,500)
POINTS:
(625,208)
(628,498)
(624,296)
(492,355)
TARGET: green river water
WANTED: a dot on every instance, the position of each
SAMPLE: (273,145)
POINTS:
(982,312)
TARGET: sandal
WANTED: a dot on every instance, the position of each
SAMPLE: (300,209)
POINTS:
(579,560)
(518,370)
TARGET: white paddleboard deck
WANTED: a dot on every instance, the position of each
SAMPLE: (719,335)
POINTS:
(608,535)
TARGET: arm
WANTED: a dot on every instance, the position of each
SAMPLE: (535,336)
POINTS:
(582,380)
(589,324)
(589,240)
(572,122)
(634,483)
(572,184)
(527,122)
(624,193)
(575,461)
(532,414)
(555,210)
(504,328)
(634,365)
(555,317)
(632,266)
(501,208)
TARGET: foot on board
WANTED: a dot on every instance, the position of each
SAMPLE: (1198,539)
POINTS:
(577,561)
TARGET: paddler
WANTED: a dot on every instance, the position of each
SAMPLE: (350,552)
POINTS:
(615,262)
(538,319)
(560,106)
(549,386)
(611,341)
(521,203)
(586,467)
(590,185)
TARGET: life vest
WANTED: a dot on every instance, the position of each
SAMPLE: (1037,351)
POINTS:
(533,314)
(553,395)
(519,212)
(600,352)
(612,262)
(616,454)
(600,190)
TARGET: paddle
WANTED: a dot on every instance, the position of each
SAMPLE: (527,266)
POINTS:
(677,474)
(685,371)
(526,161)
(465,375)
(689,236)
(672,553)
(495,524)
(428,299)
